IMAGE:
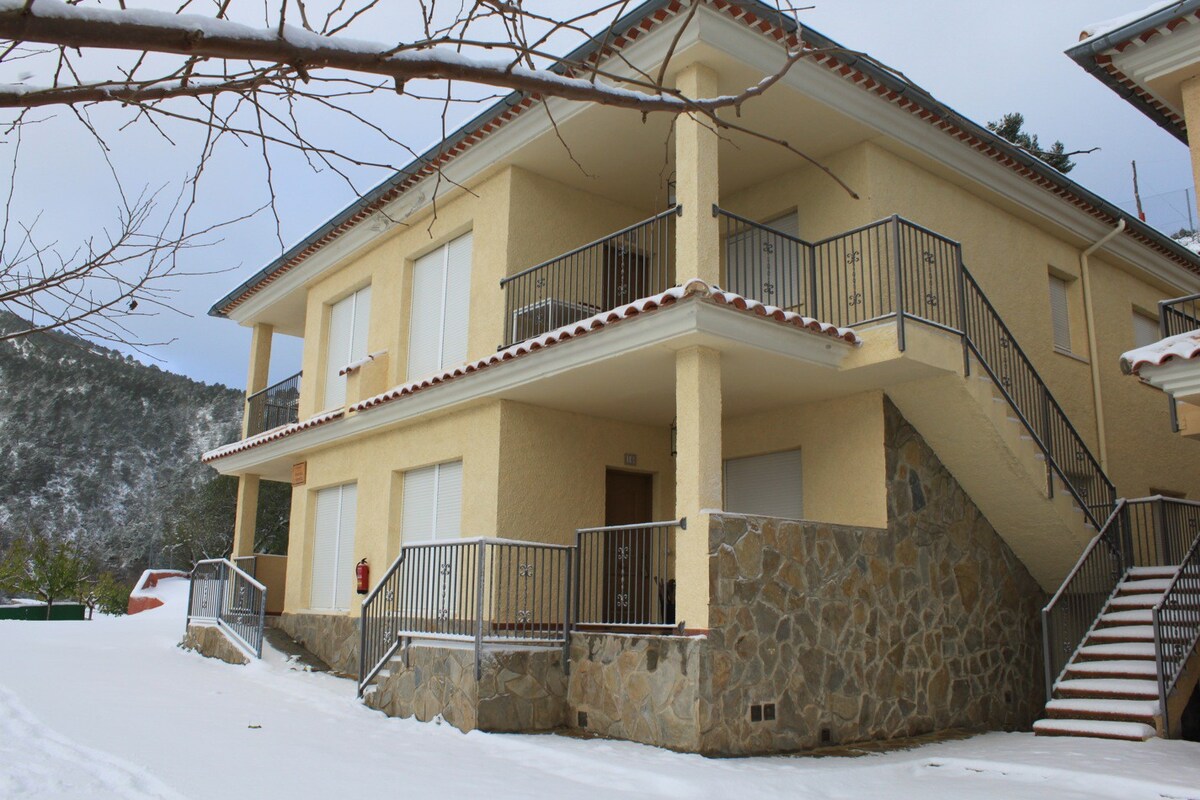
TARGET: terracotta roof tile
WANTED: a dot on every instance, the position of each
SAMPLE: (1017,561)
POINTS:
(1181,347)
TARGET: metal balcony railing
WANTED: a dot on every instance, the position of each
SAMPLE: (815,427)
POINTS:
(224,595)
(483,591)
(896,270)
(1180,315)
(625,576)
(632,263)
(274,406)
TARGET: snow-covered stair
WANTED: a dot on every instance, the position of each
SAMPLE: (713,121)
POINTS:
(1110,688)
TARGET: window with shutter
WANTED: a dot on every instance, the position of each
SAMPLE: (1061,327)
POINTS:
(333,548)
(770,485)
(432,503)
(441,298)
(1058,314)
(347,343)
(1145,330)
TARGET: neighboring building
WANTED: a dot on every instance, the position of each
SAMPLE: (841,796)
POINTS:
(885,473)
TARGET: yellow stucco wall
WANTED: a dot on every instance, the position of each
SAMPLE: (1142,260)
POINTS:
(552,477)
(842,453)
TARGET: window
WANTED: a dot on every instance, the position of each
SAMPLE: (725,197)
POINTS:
(1145,329)
(1058,314)
(348,319)
(333,548)
(770,485)
(766,267)
(432,503)
(441,297)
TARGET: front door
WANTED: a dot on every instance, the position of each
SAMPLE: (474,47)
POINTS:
(629,594)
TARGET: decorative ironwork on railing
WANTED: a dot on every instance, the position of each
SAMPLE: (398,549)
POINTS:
(632,263)
(625,576)
(1147,532)
(484,591)
(1176,620)
(226,596)
(895,269)
(274,406)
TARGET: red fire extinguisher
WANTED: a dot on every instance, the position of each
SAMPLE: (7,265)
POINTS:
(362,574)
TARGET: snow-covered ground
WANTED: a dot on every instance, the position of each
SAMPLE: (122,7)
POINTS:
(113,709)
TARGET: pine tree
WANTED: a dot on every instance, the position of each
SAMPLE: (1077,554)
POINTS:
(1011,127)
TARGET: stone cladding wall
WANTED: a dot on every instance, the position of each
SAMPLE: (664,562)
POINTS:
(208,640)
(334,638)
(865,633)
(640,688)
(518,690)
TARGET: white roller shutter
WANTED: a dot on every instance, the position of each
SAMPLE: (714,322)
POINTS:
(348,321)
(344,578)
(441,299)
(432,503)
(1058,313)
(769,485)
(333,547)
(1145,330)
(420,502)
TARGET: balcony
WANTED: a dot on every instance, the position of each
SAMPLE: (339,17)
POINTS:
(274,406)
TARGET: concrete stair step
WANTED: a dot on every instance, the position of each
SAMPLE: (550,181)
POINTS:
(1097,729)
(1115,710)
(1134,616)
(1135,651)
(1138,573)
(1122,633)
(1108,688)
(1118,668)
(1144,586)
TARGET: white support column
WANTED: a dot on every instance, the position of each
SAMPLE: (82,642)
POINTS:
(697,476)
(697,189)
(259,368)
(245,518)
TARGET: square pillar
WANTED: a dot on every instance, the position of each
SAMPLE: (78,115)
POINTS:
(246,516)
(1190,89)
(697,476)
(260,366)
(697,240)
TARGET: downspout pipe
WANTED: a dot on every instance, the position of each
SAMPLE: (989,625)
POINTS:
(1093,349)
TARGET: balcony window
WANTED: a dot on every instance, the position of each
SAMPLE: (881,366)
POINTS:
(348,320)
(441,299)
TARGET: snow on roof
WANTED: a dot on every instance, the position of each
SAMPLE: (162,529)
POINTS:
(694,288)
(1183,346)
(1107,26)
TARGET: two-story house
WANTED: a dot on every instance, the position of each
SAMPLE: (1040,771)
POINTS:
(698,449)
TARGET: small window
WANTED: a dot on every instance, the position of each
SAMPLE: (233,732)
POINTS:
(769,486)
(1145,329)
(432,503)
(1058,314)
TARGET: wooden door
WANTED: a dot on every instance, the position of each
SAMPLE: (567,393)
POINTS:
(629,594)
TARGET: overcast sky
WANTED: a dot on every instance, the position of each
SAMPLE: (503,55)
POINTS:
(983,59)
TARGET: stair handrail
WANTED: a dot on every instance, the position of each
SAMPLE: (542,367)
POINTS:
(1180,621)
(1051,406)
(1081,617)
(243,622)
(377,643)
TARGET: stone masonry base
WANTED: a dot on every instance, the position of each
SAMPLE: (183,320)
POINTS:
(518,690)
(334,638)
(208,640)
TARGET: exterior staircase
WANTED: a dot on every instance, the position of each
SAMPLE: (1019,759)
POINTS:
(1110,688)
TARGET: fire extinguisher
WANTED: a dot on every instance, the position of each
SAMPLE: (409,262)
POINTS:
(362,574)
